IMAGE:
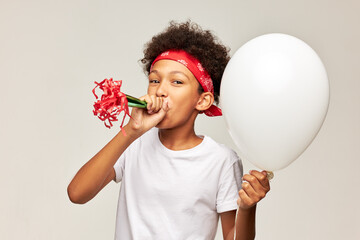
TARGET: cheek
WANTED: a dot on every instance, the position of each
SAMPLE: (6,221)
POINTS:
(150,91)
(177,102)
(182,105)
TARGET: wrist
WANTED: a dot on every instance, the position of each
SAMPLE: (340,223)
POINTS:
(248,210)
(132,132)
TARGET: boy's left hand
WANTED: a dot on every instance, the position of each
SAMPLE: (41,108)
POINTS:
(254,188)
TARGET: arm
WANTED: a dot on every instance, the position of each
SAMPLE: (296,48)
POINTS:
(253,190)
(99,171)
(245,224)
(91,177)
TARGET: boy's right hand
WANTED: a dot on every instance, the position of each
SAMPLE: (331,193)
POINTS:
(143,119)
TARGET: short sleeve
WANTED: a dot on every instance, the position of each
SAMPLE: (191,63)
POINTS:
(230,185)
(119,167)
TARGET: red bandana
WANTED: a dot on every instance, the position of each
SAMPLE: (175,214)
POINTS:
(197,69)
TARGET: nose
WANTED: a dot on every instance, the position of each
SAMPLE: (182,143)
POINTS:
(161,90)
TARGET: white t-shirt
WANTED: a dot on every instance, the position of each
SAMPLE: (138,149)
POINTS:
(168,194)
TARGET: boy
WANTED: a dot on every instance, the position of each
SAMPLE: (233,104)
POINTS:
(175,183)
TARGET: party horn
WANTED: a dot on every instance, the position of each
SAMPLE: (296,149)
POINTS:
(135,102)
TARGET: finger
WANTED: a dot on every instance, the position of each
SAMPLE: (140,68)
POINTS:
(165,105)
(161,102)
(143,97)
(244,199)
(158,104)
(153,105)
(250,192)
(255,184)
(158,116)
(262,178)
(148,101)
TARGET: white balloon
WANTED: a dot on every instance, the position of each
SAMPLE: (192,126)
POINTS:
(274,96)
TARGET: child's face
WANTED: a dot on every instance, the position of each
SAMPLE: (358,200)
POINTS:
(172,80)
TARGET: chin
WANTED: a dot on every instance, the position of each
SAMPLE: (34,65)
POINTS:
(163,124)
(166,123)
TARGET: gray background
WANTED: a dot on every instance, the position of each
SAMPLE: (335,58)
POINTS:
(51,52)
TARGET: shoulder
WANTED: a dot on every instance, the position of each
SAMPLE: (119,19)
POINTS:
(216,147)
(221,151)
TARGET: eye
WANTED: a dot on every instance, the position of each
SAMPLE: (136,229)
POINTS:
(177,82)
(153,81)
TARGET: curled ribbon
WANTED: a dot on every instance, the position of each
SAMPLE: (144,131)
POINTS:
(111,103)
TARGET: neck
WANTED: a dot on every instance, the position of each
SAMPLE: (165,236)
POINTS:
(179,138)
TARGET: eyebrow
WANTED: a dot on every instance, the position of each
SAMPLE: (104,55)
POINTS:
(172,72)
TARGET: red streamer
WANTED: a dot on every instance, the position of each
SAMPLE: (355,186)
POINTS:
(111,103)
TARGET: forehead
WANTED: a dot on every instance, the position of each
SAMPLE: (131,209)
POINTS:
(170,67)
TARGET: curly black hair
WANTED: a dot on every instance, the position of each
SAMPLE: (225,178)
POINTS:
(201,44)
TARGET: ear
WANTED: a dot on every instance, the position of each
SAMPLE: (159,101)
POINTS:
(205,101)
